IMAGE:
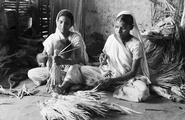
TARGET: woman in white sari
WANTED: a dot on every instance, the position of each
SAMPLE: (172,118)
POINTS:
(63,34)
(126,60)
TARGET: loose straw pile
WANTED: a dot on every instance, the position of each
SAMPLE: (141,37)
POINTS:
(82,105)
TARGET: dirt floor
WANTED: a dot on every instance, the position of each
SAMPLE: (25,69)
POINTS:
(27,109)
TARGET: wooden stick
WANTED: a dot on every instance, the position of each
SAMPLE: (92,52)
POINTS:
(151,109)
(65,48)
(67,51)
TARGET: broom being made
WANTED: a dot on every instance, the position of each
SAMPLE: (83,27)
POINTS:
(56,74)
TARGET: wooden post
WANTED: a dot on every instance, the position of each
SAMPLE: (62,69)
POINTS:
(182,23)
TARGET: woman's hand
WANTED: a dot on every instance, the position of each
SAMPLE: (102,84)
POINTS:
(64,88)
(105,84)
(103,59)
(42,59)
(58,60)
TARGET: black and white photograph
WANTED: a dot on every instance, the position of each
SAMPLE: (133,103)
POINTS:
(92,59)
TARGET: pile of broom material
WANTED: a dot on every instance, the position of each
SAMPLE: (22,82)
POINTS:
(163,44)
(16,60)
(82,105)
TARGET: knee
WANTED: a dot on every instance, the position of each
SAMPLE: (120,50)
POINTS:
(140,85)
(74,75)
(30,74)
(38,76)
(142,89)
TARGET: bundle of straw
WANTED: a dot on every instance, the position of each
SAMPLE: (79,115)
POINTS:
(55,76)
(162,8)
(168,76)
(83,105)
(56,73)
(166,71)
(166,59)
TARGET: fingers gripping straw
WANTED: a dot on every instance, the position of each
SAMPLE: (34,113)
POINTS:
(56,75)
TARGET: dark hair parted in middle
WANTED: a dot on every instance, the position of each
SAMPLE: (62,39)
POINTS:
(127,19)
(66,13)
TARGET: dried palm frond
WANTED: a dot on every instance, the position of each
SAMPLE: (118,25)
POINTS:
(154,57)
(82,105)
(18,93)
(168,78)
(168,75)
(93,94)
(6,91)
(59,109)
(24,91)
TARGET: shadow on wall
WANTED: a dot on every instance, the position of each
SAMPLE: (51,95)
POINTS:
(94,44)
(94,40)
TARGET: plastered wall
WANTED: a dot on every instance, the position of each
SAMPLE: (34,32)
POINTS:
(99,14)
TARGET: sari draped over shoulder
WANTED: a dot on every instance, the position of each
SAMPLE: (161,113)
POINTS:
(120,59)
(72,71)
(76,40)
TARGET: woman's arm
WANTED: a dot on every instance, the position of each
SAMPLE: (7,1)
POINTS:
(131,73)
(135,48)
(109,81)
(79,52)
(115,81)
(77,56)
(42,59)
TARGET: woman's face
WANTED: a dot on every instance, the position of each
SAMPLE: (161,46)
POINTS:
(64,24)
(121,29)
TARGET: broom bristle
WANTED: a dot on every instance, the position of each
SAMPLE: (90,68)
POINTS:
(55,77)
